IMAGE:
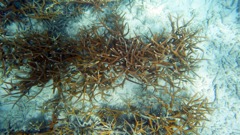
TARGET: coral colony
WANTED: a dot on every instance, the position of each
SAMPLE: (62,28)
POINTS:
(85,69)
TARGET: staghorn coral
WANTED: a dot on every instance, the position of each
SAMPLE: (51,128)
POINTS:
(38,58)
(163,117)
(99,60)
(23,13)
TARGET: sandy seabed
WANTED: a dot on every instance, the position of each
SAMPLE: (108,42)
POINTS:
(219,79)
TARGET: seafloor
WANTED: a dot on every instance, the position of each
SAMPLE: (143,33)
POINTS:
(218,75)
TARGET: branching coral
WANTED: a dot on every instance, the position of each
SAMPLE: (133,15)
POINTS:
(100,59)
(163,117)
(39,58)
(23,12)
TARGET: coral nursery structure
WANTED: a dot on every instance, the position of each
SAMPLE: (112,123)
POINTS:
(84,70)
